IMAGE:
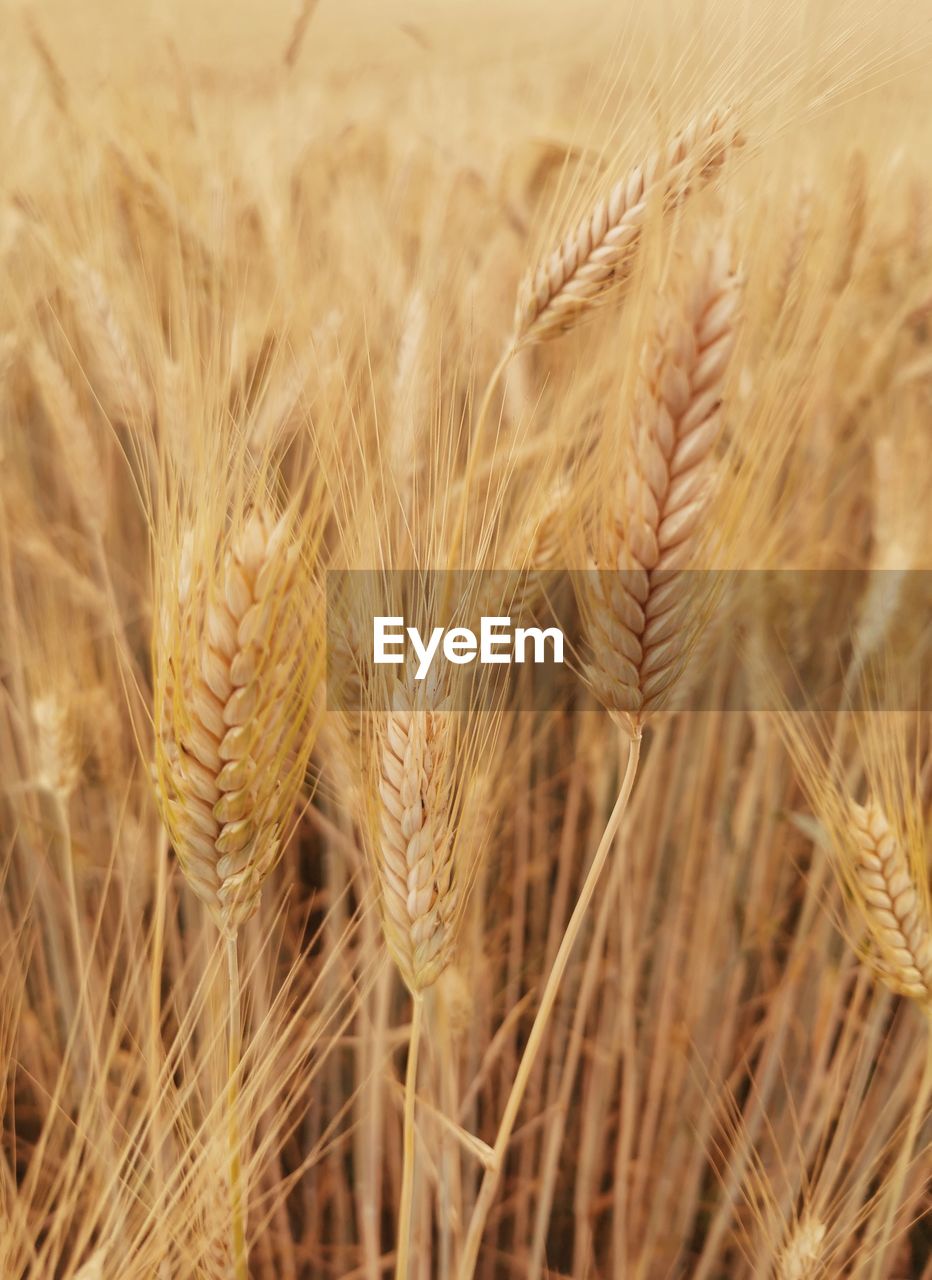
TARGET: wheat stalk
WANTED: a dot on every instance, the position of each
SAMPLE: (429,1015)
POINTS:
(597,251)
(633,598)
(233,684)
(415,871)
(896,916)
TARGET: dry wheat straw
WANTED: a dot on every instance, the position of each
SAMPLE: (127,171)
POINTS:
(600,248)
(893,908)
(634,596)
(231,682)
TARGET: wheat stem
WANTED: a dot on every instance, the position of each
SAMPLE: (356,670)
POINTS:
(237,1212)
(406,1207)
(545,1009)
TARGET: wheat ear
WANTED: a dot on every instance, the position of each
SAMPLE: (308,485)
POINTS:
(415,864)
(230,683)
(415,871)
(894,912)
(633,598)
(233,679)
(597,251)
(74,437)
(800,1258)
(119,384)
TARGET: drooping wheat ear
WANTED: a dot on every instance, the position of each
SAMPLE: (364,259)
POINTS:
(73,436)
(117,381)
(800,1259)
(233,685)
(633,597)
(895,911)
(414,859)
(599,250)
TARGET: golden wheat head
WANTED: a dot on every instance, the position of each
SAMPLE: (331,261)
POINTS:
(633,597)
(599,249)
(415,842)
(894,906)
(234,679)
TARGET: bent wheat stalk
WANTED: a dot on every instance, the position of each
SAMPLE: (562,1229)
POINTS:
(548,998)
(641,623)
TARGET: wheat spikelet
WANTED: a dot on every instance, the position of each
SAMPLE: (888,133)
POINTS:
(414,859)
(280,414)
(56,746)
(598,250)
(73,435)
(894,909)
(633,598)
(45,559)
(855,213)
(407,406)
(216,1261)
(800,1257)
(797,238)
(118,382)
(233,680)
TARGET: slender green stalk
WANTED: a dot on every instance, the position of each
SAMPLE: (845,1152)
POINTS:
(406,1208)
(548,999)
(234,1035)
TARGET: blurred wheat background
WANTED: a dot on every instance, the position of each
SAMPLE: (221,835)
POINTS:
(620,988)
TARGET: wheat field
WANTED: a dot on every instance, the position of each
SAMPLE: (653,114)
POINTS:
(605,317)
